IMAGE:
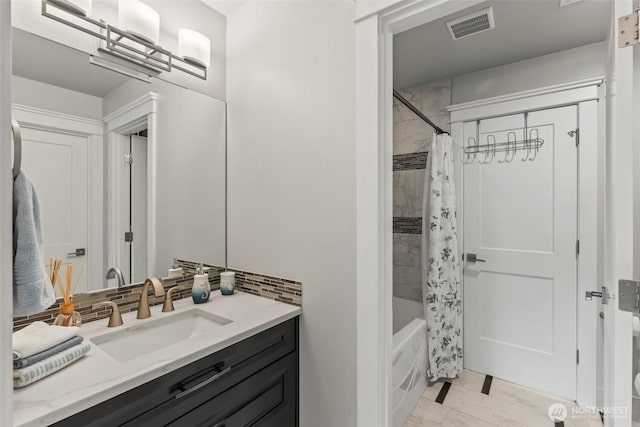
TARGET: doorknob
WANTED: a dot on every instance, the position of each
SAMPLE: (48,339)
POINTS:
(78,252)
(474,258)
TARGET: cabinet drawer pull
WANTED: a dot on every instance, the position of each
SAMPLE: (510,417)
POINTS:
(203,383)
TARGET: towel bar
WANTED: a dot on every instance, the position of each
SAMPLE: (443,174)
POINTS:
(17,148)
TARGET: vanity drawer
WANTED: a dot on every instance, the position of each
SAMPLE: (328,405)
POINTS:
(236,363)
(267,398)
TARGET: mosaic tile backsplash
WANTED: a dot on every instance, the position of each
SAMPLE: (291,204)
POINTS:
(283,290)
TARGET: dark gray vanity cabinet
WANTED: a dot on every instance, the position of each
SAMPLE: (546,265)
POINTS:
(251,383)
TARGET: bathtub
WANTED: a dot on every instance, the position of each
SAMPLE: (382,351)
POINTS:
(408,376)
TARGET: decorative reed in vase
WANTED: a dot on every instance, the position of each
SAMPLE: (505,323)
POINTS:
(68,316)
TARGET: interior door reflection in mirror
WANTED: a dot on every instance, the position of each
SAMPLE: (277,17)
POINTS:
(129,174)
(133,194)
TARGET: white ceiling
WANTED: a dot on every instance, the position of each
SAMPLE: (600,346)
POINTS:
(40,59)
(524,29)
(225,7)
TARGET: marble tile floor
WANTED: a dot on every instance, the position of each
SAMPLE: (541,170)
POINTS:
(505,405)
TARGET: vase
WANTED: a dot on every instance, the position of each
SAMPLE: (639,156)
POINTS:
(68,316)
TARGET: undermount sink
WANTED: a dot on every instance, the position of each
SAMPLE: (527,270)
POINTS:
(141,339)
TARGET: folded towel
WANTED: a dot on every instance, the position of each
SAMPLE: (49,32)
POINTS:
(46,367)
(38,337)
(30,360)
(32,288)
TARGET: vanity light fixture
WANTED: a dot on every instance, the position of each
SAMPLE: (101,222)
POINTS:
(80,7)
(135,38)
(139,20)
(194,47)
(113,66)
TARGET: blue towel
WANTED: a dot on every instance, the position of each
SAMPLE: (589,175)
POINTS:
(32,288)
(28,361)
(46,367)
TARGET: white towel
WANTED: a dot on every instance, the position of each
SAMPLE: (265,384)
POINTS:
(32,289)
(37,371)
(38,337)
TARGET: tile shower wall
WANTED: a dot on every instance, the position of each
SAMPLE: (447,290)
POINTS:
(411,144)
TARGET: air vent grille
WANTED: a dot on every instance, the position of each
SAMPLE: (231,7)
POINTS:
(471,24)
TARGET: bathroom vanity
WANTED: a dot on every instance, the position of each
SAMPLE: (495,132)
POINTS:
(241,370)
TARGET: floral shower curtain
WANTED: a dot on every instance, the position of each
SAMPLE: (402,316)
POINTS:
(441,286)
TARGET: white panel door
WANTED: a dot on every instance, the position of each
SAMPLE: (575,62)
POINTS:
(520,217)
(57,164)
(133,213)
(139,209)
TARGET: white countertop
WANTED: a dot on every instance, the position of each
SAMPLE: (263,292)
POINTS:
(98,377)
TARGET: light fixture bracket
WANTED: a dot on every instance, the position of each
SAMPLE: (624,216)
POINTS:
(121,43)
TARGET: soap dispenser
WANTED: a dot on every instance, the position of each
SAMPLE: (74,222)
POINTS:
(201,290)
(176,270)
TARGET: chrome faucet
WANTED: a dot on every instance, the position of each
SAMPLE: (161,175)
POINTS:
(143,304)
(113,273)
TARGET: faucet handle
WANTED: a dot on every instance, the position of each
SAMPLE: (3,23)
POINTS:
(143,304)
(116,317)
(168,301)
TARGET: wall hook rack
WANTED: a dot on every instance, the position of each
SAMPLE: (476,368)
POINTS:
(529,145)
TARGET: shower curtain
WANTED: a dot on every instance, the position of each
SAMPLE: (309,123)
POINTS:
(441,287)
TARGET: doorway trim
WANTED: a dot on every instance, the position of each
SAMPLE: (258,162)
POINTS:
(374,151)
(374,183)
(37,118)
(133,117)
(584,94)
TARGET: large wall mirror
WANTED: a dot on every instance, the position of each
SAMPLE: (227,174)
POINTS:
(129,174)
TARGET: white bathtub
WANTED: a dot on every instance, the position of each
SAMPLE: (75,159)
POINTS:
(408,376)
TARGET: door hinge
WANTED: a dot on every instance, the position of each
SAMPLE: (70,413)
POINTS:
(128,158)
(629,296)
(577,357)
(577,247)
(575,133)
(128,236)
(628,29)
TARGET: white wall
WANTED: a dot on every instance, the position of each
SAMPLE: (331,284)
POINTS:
(291,179)
(54,98)
(6,232)
(190,165)
(561,67)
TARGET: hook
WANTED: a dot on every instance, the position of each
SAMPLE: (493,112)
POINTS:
(515,148)
(491,148)
(17,148)
(536,143)
(484,162)
(470,150)
(484,151)
(506,153)
(525,142)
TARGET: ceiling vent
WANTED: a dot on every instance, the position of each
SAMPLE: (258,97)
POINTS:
(473,23)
